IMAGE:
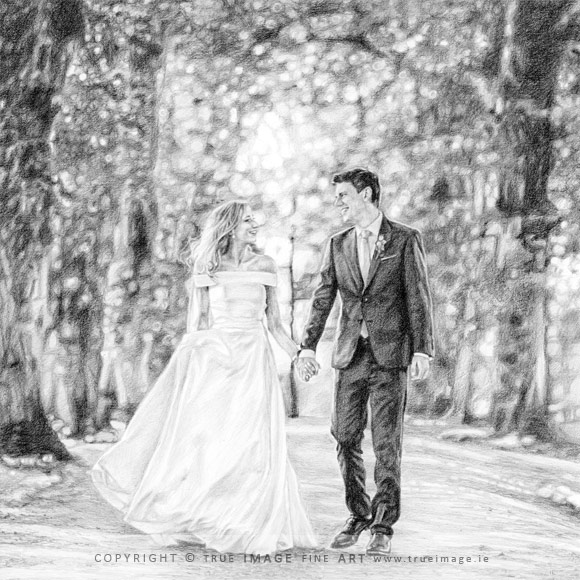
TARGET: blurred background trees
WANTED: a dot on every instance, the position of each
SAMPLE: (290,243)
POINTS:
(466,109)
(35,46)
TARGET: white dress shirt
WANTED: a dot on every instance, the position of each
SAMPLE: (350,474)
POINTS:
(373,228)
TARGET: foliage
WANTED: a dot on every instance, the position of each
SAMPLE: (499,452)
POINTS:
(171,107)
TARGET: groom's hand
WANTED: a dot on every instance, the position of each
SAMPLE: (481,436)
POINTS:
(420,367)
(307,367)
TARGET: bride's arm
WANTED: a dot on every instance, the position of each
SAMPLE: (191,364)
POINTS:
(199,310)
(275,323)
(203,318)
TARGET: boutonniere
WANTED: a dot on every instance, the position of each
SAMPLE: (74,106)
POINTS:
(380,245)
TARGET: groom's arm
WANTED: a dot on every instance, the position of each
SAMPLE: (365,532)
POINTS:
(322,302)
(418,295)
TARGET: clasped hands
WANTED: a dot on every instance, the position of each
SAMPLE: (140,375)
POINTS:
(307,367)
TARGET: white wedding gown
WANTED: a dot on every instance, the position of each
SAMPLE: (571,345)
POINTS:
(204,458)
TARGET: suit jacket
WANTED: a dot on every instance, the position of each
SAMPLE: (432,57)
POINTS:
(395,302)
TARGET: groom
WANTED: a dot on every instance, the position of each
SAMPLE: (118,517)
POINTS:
(378,268)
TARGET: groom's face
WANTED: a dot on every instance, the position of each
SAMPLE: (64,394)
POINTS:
(349,201)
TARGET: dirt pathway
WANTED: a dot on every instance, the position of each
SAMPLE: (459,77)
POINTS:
(459,502)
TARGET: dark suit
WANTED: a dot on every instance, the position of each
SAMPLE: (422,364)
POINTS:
(395,304)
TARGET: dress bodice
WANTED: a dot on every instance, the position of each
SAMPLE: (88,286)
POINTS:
(237,299)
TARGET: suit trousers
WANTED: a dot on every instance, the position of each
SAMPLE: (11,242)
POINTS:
(386,388)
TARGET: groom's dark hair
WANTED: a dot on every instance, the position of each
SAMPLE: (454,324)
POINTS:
(360,178)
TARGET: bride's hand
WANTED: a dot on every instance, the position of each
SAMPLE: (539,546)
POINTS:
(307,367)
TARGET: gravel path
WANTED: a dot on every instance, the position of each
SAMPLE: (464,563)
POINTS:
(459,502)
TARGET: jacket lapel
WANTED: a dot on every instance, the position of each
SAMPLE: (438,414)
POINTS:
(385,232)
(351,255)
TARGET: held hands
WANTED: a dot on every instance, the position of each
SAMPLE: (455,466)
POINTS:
(419,367)
(307,367)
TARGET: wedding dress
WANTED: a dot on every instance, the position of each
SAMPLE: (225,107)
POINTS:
(204,458)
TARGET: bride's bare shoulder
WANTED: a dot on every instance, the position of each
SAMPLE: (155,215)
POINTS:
(263,263)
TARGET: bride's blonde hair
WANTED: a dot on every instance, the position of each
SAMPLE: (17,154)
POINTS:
(216,236)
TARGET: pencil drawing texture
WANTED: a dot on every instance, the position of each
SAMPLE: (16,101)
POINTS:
(221,478)
(123,123)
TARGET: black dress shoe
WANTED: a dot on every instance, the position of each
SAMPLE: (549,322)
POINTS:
(348,536)
(380,545)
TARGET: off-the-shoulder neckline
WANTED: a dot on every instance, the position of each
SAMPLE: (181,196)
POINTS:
(238,272)
(239,276)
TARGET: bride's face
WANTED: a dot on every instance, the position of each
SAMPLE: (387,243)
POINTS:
(247,229)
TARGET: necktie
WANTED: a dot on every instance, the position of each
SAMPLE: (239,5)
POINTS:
(365,257)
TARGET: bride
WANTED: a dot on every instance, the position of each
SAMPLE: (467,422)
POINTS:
(204,458)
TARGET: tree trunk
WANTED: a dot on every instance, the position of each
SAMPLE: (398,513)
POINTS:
(128,290)
(528,64)
(34,40)
(104,150)
(462,384)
